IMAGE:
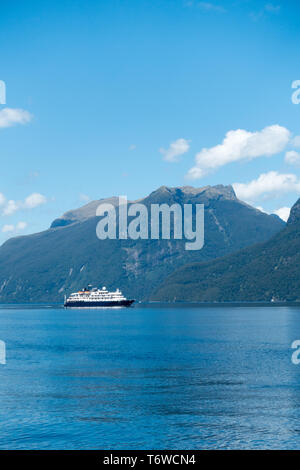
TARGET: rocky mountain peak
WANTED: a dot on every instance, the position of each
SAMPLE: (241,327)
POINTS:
(208,192)
(295,214)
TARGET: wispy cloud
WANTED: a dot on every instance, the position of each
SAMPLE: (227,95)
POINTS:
(34,200)
(11,206)
(132,147)
(267,185)
(84,197)
(296,141)
(8,228)
(10,117)
(292,158)
(268,8)
(271,8)
(208,6)
(240,145)
(282,212)
(176,148)
(19,227)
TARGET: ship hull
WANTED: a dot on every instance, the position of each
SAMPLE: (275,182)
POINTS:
(99,303)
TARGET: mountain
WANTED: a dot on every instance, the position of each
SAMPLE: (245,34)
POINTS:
(263,272)
(43,266)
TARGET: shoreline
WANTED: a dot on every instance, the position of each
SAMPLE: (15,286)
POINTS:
(161,304)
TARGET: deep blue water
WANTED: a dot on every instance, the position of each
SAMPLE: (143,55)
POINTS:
(150,378)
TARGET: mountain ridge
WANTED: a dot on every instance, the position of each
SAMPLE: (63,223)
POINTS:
(43,266)
(267,271)
(89,210)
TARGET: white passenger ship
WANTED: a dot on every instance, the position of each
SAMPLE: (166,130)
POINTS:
(94,297)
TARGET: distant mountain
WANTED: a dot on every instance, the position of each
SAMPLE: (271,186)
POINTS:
(263,272)
(67,256)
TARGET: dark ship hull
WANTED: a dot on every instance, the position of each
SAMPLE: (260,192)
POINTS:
(99,303)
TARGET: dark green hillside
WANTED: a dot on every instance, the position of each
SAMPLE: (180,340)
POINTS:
(263,272)
(44,266)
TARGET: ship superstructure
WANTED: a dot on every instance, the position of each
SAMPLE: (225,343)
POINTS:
(94,297)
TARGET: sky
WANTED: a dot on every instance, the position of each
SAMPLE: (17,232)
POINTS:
(120,97)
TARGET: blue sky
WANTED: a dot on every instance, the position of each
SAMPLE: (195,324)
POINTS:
(101,90)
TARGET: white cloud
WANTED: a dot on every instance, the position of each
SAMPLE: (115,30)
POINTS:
(10,207)
(267,8)
(296,141)
(176,148)
(132,147)
(267,184)
(207,6)
(84,197)
(32,201)
(9,117)
(240,145)
(2,199)
(19,227)
(292,157)
(283,213)
(8,228)
(270,8)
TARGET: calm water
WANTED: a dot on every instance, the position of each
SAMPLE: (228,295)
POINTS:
(145,377)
